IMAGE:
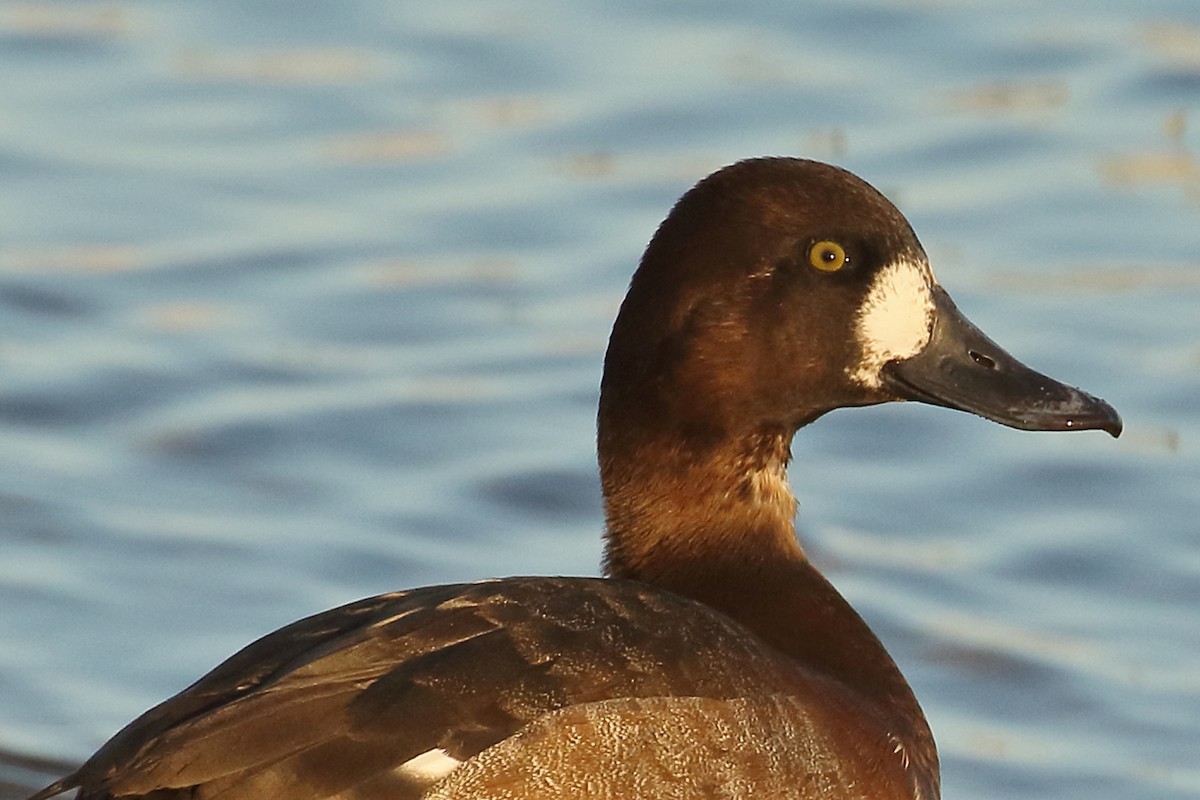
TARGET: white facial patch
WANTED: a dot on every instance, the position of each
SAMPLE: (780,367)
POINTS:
(895,320)
(430,766)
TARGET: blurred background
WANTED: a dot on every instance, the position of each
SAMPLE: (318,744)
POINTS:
(303,302)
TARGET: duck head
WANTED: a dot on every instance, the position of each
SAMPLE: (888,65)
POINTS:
(779,289)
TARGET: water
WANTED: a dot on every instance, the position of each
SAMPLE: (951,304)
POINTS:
(306,302)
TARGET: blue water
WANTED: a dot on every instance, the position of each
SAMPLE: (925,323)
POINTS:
(305,302)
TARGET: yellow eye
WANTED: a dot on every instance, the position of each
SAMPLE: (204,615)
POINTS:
(827,256)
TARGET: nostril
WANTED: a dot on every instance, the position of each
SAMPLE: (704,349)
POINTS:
(982,360)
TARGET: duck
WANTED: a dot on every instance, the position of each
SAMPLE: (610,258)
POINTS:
(711,659)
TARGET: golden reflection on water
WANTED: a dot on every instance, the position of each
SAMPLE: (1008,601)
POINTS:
(306,66)
(73,21)
(83,258)
(1178,42)
(389,146)
(185,316)
(1005,96)
(1106,279)
(452,272)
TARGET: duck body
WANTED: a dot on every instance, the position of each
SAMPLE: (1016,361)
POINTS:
(713,660)
(522,688)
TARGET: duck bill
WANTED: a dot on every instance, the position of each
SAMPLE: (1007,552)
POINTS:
(962,368)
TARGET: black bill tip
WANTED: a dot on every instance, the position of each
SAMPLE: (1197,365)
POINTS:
(1097,416)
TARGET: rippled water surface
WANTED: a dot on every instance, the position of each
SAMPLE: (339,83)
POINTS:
(305,302)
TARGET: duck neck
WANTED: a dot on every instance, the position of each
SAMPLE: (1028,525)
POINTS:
(714,522)
(682,511)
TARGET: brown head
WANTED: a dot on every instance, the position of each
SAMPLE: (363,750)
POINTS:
(777,290)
